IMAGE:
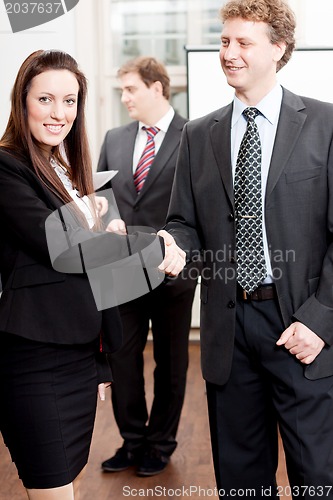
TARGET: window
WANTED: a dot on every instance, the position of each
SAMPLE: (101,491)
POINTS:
(161,28)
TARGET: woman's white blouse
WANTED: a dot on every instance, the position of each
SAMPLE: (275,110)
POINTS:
(83,202)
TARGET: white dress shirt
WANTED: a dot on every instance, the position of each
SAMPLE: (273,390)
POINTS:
(141,138)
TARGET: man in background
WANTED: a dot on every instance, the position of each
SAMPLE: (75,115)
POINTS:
(144,153)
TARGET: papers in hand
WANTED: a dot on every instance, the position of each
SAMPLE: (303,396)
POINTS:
(101,178)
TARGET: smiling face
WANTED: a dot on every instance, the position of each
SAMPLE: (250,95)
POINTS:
(249,59)
(52,107)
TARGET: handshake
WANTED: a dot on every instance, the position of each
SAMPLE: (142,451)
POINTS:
(121,263)
(174,258)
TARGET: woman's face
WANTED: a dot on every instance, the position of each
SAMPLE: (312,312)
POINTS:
(52,107)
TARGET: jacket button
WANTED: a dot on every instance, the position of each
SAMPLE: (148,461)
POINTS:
(231,304)
(136,208)
(231,217)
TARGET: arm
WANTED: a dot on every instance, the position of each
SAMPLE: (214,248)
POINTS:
(23,207)
(317,312)
(182,220)
(57,236)
(312,330)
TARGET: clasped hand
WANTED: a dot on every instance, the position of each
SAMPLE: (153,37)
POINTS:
(302,342)
(174,258)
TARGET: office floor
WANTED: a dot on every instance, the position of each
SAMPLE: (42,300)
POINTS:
(189,472)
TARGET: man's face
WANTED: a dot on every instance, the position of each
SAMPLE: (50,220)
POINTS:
(248,58)
(137,97)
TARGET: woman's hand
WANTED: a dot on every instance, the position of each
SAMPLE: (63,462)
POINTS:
(101,390)
(117,226)
(102,205)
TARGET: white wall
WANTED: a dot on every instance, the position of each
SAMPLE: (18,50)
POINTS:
(15,47)
(204,72)
(75,33)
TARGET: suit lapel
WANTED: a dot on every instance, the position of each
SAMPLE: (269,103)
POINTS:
(289,128)
(288,131)
(127,145)
(221,144)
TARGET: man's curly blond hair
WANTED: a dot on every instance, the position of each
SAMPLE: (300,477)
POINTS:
(276,13)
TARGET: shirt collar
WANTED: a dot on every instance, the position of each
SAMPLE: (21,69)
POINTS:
(269,106)
(164,123)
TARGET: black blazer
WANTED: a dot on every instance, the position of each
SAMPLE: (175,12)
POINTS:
(39,302)
(299,223)
(150,207)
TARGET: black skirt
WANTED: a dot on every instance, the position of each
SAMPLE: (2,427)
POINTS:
(48,394)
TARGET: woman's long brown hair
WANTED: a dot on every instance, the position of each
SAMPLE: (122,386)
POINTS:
(18,140)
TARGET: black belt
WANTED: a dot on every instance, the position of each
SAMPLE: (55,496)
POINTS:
(263,292)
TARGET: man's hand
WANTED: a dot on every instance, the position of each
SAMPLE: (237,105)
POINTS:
(117,226)
(302,342)
(174,259)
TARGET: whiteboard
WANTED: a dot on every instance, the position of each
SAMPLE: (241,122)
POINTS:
(309,73)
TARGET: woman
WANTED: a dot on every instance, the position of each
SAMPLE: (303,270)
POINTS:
(51,333)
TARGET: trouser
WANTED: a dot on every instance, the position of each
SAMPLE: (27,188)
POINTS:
(266,389)
(168,307)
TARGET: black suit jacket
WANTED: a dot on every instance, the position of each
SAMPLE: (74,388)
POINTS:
(150,207)
(39,302)
(299,223)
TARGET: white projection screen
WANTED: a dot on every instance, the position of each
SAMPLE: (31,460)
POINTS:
(208,88)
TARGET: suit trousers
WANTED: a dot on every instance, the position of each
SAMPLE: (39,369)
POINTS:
(168,308)
(266,390)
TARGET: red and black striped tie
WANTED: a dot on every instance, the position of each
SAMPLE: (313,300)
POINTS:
(146,159)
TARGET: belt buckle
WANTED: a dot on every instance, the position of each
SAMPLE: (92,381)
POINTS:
(246,296)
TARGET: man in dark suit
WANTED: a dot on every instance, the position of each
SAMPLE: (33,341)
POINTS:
(143,201)
(267,352)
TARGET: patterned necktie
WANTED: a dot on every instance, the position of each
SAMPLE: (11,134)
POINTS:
(146,159)
(251,267)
